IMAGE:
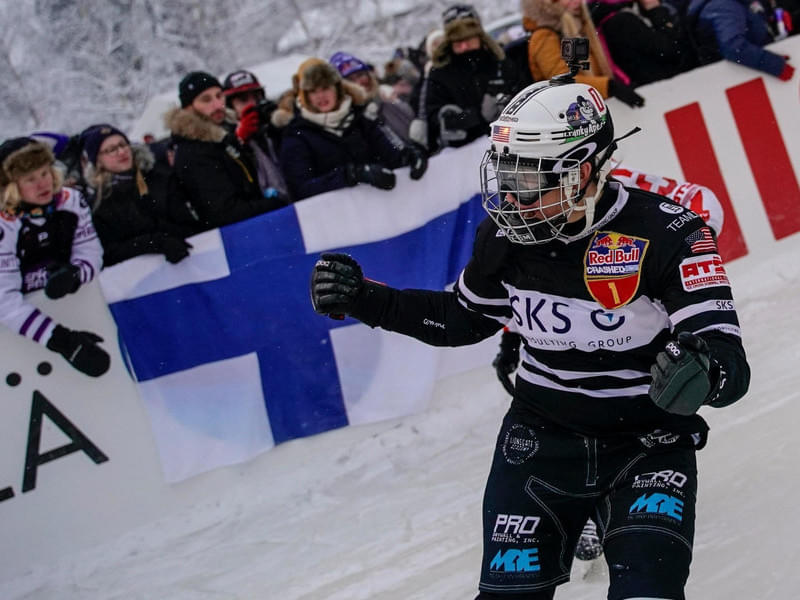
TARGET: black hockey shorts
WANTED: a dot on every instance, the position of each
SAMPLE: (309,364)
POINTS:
(546,482)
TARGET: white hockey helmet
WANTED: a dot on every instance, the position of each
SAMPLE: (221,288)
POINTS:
(530,176)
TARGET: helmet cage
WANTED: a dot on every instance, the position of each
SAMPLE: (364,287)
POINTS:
(530,199)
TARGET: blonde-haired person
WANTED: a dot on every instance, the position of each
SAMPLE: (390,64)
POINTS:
(47,241)
(549,21)
(125,209)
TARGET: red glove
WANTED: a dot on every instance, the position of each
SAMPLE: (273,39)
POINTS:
(248,123)
(786,74)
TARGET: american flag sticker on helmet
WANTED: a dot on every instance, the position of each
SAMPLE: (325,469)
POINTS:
(500,133)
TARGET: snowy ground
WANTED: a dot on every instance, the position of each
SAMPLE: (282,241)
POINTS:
(392,510)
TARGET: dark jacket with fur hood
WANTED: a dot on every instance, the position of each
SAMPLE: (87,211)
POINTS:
(127,214)
(462,80)
(214,171)
(315,159)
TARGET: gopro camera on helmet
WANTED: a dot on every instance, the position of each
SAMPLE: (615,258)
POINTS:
(575,52)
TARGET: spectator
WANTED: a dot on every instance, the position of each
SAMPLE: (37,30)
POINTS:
(124,210)
(46,241)
(245,95)
(470,82)
(214,170)
(643,39)
(403,76)
(736,30)
(392,112)
(418,129)
(329,143)
(549,21)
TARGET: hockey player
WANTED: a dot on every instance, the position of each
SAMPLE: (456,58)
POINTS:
(47,240)
(629,328)
(697,198)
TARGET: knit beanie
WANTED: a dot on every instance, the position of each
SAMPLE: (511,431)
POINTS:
(194,84)
(19,156)
(347,64)
(93,137)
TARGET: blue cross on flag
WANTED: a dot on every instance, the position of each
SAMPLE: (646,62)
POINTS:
(231,359)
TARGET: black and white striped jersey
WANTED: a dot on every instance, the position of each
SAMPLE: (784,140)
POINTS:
(593,312)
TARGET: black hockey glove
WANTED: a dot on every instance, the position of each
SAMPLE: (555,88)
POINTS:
(625,93)
(80,349)
(174,249)
(680,375)
(373,174)
(62,279)
(417,160)
(507,359)
(336,282)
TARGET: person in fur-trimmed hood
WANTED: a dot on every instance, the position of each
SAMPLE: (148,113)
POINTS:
(129,217)
(330,143)
(549,21)
(214,169)
(470,82)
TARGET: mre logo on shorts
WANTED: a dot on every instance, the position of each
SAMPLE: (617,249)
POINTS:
(659,504)
(525,560)
(612,267)
(699,272)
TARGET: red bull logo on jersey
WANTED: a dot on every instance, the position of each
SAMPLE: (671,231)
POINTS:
(612,267)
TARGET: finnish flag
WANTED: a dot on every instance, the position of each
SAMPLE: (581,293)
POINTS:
(229,356)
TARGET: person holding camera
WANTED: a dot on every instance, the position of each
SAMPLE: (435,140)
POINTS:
(47,241)
(548,21)
(212,169)
(330,143)
(245,95)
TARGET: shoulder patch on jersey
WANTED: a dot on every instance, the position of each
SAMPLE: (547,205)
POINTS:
(670,208)
(700,272)
(612,267)
(702,241)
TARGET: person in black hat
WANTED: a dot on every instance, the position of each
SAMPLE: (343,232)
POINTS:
(245,95)
(47,241)
(214,171)
(129,219)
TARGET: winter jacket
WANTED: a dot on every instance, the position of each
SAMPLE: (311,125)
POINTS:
(315,160)
(644,52)
(543,19)
(462,80)
(125,211)
(740,28)
(214,171)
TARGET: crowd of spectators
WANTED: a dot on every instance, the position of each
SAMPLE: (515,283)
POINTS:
(74,202)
